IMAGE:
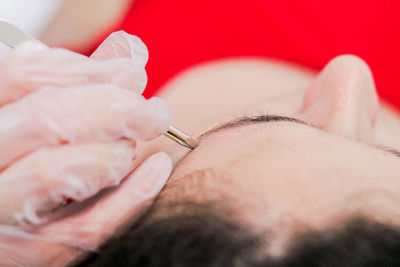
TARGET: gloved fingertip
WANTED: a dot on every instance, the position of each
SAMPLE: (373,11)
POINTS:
(151,176)
(161,112)
(121,45)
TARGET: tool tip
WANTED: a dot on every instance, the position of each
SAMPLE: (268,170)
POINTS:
(181,138)
(191,143)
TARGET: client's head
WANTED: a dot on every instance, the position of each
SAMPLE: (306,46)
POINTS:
(317,188)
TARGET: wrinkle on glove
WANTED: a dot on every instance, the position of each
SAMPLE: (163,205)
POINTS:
(120,60)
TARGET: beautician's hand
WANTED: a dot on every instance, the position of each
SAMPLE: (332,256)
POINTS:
(68,126)
(119,60)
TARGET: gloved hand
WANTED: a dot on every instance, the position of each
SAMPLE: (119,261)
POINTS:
(68,126)
(119,60)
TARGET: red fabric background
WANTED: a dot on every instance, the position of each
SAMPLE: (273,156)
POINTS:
(181,33)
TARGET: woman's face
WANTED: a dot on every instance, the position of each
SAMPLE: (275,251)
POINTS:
(280,175)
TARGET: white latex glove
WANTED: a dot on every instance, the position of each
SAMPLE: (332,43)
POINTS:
(70,140)
(119,60)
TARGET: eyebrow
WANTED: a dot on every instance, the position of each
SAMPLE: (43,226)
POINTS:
(243,121)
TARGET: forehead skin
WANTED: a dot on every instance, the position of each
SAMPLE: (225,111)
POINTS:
(288,177)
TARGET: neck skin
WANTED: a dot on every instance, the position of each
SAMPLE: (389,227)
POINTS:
(215,92)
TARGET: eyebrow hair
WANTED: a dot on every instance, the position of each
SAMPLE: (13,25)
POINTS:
(243,121)
(238,122)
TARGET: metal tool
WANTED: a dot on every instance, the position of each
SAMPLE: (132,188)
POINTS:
(12,36)
(180,137)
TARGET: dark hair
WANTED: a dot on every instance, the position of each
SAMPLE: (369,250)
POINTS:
(197,236)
